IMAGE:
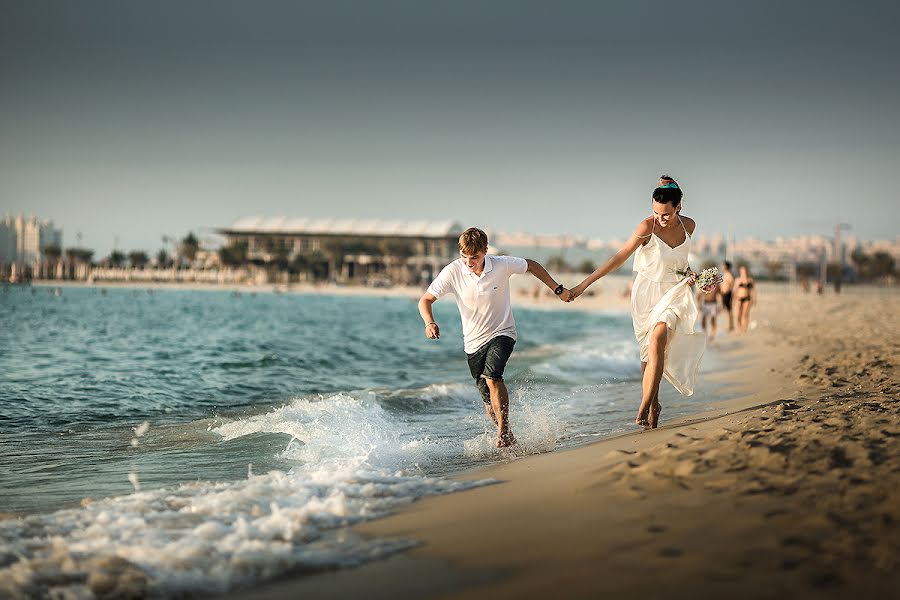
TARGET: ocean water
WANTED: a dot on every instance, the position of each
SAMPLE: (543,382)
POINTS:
(214,439)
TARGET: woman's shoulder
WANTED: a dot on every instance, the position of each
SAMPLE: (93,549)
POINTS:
(689,224)
(644,228)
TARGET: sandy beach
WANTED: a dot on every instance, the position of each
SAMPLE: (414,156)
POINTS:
(791,488)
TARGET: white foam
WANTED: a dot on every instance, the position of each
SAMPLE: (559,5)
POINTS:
(534,420)
(354,463)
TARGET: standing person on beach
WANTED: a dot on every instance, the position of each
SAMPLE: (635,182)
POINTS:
(664,311)
(745,296)
(480,284)
(709,302)
(726,287)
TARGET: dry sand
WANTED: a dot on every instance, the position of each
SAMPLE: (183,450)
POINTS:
(793,490)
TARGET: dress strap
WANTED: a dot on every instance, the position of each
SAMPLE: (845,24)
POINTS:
(682,226)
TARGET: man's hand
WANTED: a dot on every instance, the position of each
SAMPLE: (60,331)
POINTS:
(432,331)
(566,295)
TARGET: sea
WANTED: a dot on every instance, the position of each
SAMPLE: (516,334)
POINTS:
(214,439)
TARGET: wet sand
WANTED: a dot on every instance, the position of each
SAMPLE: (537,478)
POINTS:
(792,489)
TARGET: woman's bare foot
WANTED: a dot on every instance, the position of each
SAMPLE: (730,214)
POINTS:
(642,421)
(506,439)
(655,410)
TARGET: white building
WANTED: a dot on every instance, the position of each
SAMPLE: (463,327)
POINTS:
(23,239)
(351,249)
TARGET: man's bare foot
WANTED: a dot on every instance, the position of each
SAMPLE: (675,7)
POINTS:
(505,440)
(655,410)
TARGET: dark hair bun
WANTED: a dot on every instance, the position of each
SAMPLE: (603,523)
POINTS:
(667,195)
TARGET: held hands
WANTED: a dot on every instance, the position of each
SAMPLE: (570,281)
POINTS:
(570,295)
(432,331)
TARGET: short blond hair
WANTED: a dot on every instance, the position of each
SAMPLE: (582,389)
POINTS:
(473,241)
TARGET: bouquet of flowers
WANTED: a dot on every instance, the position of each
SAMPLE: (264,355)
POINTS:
(707,279)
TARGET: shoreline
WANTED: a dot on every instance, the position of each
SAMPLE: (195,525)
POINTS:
(725,503)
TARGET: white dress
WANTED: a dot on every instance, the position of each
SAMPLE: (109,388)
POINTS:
(659,295)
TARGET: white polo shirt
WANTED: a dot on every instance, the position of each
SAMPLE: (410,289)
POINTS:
(483,300)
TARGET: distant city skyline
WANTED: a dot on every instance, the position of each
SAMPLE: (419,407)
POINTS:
(136,121)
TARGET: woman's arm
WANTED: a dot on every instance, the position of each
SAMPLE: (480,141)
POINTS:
(618,259)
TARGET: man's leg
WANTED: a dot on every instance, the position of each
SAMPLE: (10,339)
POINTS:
(500,404)
(488,398)
(476,368)
(499,350)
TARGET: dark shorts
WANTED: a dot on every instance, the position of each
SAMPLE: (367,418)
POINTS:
(489,361)
(726,300)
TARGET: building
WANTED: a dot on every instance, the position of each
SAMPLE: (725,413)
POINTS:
(23,240)
(372,251)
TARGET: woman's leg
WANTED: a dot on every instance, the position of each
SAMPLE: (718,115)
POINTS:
(744,318)
(652,372)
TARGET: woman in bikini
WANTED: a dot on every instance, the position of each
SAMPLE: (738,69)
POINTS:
(744,297)
(664,311)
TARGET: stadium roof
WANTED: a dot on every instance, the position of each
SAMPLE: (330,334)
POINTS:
(379,227)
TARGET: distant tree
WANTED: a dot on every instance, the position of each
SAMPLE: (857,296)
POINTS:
(587,266)
(234,254)
(558,263)
(874,266)
(138,258)
(52,253)
(79,255)
(116,258)
(162,258)
(883,265)
(189,246)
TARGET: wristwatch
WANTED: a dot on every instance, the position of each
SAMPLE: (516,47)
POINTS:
(558,290)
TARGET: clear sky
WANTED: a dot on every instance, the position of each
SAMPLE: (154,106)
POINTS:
(132,120)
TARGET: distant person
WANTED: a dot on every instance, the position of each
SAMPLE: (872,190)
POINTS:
(820,287)
(663,308)
(709,306)
(480,284)
(745,297)
(726,289)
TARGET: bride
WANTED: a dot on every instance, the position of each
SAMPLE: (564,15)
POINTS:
(663,309)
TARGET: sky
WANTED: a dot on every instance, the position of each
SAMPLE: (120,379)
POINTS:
(129,121)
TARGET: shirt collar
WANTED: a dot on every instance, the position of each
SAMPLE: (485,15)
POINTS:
(488,267)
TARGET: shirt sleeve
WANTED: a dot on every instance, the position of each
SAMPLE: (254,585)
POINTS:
(516,265)
(443,283)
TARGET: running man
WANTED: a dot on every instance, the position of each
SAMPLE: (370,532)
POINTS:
(480,284)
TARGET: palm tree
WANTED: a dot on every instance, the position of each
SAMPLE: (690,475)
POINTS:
(189,246)
(79,255)
(115,258)
(52,253)
(138,258)
(162,258)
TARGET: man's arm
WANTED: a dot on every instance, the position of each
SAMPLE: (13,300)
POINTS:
(536,269)
(432,331)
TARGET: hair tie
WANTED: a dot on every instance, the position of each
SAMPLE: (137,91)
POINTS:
(671,184)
